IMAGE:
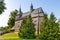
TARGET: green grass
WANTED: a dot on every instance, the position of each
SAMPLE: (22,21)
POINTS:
(12,35)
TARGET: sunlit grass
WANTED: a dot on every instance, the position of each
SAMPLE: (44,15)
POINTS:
(12,35)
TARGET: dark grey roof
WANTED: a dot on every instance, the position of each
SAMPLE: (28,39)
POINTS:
(36,11)
(25,14)
(33,13)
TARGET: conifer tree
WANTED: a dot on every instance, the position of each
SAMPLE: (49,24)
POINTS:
(53,28)
(27,30)
(44,28)
(58,21)
(49,28)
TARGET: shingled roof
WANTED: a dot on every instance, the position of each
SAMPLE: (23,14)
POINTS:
(33,13)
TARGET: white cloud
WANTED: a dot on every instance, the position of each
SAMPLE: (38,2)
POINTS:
(10,5)
(5,15)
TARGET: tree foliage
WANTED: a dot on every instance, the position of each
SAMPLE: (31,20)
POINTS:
(1,28)
(27,30)
(2,6)
(53,27)
(49,28)
(59,24)
(4,29)
(44,28)
(11,20)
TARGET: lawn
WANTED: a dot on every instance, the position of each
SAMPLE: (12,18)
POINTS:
(12,35)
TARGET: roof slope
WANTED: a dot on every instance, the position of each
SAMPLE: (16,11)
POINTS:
(34,13)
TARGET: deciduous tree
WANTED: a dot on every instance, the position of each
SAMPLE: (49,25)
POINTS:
(2,6)
(11,20)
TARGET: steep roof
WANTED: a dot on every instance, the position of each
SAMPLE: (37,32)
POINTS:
(33,13)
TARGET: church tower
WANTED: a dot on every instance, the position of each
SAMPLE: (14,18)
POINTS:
(31,7)
(20,13)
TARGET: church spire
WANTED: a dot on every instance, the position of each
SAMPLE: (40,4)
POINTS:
(20,12)
(31,7)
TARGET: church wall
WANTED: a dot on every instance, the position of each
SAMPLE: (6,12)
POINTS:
(34,14)
(17,25)
(35,21)
(40,21)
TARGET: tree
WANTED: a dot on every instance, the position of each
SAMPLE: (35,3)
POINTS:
(44,28)
(53,28)
(4,30)
(2,6)
(59,24)
(27,29)
(11,20)
(58,21)
(1,28)
(49,28)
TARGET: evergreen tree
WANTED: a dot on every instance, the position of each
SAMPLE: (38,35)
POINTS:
(27,30)
(2,6)
(59,24)
(44,28)
(53,28)
(49,28)
(59,29)
(11,20)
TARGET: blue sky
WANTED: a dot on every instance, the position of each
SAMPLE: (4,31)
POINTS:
(47,5)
